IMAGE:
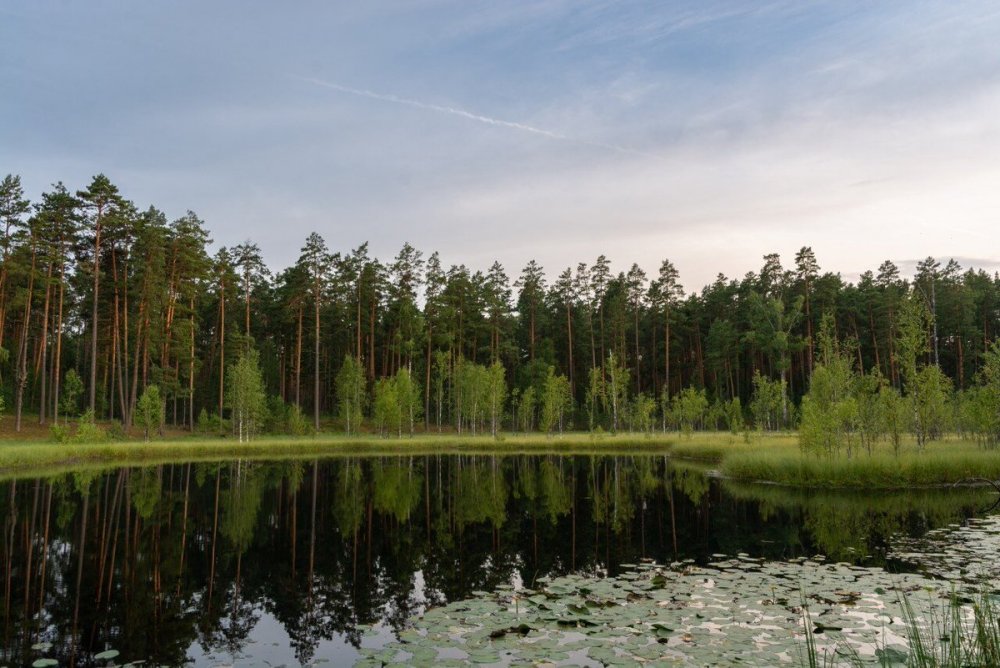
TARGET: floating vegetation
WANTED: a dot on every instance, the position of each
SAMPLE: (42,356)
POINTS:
(960,553)
(733,610)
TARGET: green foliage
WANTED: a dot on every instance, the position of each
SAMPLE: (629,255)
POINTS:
(115,431)
(276,416)
(496,395)
(442,376)
(245,395)
(556,400)
(830,409)
(689,409)
(194,315)
(297,424)
(524,411)
(210,423)
(60,433)
(932,403)
(617,390)
(980,406)
(386,411)
(895,411)
(911,343)
(87,430)
(734,415)
(351,394)
(872,420)
(409,396)
(765,405)
(772,324)
(150,411)
(596,397)
(397,403)
(641,413)
(478,396)
(72,389)
(467,382)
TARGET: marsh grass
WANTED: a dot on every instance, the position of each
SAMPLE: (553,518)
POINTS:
(752,457)
(718,446)
(777,458)
(940,464)
(959,634)
(20,457)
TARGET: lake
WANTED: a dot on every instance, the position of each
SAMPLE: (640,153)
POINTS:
(299,562)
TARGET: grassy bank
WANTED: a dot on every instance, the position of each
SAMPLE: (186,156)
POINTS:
(773,458)
(778,459)
(714,447)
(941,464)
(23,456)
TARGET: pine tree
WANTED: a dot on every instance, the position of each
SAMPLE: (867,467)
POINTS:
(100,200)
(13,207)
(316,260)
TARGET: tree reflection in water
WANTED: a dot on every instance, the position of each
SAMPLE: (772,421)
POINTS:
(170,562)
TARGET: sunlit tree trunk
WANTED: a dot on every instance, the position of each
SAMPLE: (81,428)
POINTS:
(222,348)
(191,370)
(22,348)
(43,371)
(57,361)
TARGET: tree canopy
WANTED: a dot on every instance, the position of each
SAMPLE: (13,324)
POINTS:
(100,300)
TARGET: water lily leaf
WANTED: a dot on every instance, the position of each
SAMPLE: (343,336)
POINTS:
(484,656)
(892,655)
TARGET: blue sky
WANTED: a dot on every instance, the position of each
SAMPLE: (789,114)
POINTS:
(707,132)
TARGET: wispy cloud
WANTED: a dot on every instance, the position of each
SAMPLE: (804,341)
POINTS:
(463,113)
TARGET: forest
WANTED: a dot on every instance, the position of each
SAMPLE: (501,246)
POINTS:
(113,313)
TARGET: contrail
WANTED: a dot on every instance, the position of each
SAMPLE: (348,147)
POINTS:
(454,111)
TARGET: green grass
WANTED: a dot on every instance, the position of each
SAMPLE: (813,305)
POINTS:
(18,457)
(942,463)
(956,635)
(717,446)
(774,458)
(777,458)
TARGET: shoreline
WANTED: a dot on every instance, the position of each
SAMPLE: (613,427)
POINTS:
(767,459)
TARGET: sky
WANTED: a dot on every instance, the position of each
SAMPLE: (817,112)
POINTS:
(707,132)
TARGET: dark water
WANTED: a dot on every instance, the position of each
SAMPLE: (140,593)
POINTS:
(286,562)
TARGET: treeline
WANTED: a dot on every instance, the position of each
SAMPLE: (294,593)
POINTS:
(100,300)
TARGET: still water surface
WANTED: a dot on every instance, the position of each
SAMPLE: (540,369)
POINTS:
(270,563)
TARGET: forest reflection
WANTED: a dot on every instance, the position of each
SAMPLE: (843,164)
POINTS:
(157,561)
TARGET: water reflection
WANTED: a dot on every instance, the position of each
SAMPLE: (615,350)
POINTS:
(178,562)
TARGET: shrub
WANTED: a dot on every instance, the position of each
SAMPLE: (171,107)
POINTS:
(115,431)
(206,423)
(87,430)
(298,425)
(276,417)
(59,433)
